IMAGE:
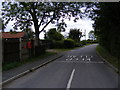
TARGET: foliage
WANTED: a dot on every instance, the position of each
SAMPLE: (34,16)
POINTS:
(107,22)
(69,43)
(40,14)
(105,54)
(83,42)
(0,23)
(52,34)
(59,44)
(75,34)
(92,35)
(30,33)
(91,41)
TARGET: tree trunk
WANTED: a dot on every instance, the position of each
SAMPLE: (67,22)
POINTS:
(37,37)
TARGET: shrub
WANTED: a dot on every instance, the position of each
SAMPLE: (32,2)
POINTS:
(69,43)
(51,44)
(83,42)
(78,44)
(59,44)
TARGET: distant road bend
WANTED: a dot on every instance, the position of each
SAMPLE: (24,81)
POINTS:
(78,68)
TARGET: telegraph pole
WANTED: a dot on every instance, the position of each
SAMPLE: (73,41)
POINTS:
(85,34)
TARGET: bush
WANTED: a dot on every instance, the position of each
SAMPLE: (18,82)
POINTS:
(78,44)
(56,44)
(69,43)
(40,50)
(92,41)
(51,44)
(83,42)
(59,44)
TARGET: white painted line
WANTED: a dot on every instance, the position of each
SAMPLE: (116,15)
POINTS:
(70,56)
(88,59)
(86,56)
(91,56)
(76,58)
(70,80)
(83,59)
(70,59)
(81,56)
(94,62)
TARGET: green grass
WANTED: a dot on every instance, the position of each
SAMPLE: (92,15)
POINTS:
(15,64)
(107,56)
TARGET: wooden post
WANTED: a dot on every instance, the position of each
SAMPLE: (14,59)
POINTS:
(20,48)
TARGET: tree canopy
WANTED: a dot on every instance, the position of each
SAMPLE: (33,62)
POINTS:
(92,35)
(52,34)
(40,14)
(107,25)
(75,34)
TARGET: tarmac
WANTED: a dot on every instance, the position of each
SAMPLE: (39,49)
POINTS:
(17,72)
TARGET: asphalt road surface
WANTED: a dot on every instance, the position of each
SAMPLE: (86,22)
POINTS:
(78,68)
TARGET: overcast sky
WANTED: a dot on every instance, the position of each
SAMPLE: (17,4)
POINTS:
(84,24)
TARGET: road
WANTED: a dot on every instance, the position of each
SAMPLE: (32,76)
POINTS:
(78,68)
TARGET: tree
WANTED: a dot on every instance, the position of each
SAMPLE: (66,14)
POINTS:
(107,22)
(75,34)
(39,14)
(30,33)
(52,34)
(0,23)
(91,35)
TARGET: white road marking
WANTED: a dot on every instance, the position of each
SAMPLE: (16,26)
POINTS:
(81,56)
(70,80)
(66,59)
(83,59)
(71,59)
(76,58)
(91,56)
(88,59)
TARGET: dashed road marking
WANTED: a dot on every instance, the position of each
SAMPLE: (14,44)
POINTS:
(70,80)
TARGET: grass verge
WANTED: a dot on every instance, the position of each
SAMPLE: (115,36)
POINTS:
(15,64)
(107,56)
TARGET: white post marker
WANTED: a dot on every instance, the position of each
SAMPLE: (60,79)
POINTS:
(70,80)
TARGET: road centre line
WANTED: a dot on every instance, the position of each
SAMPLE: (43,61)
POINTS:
(70,80)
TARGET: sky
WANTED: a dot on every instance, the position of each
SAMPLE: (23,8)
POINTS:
(84,24)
